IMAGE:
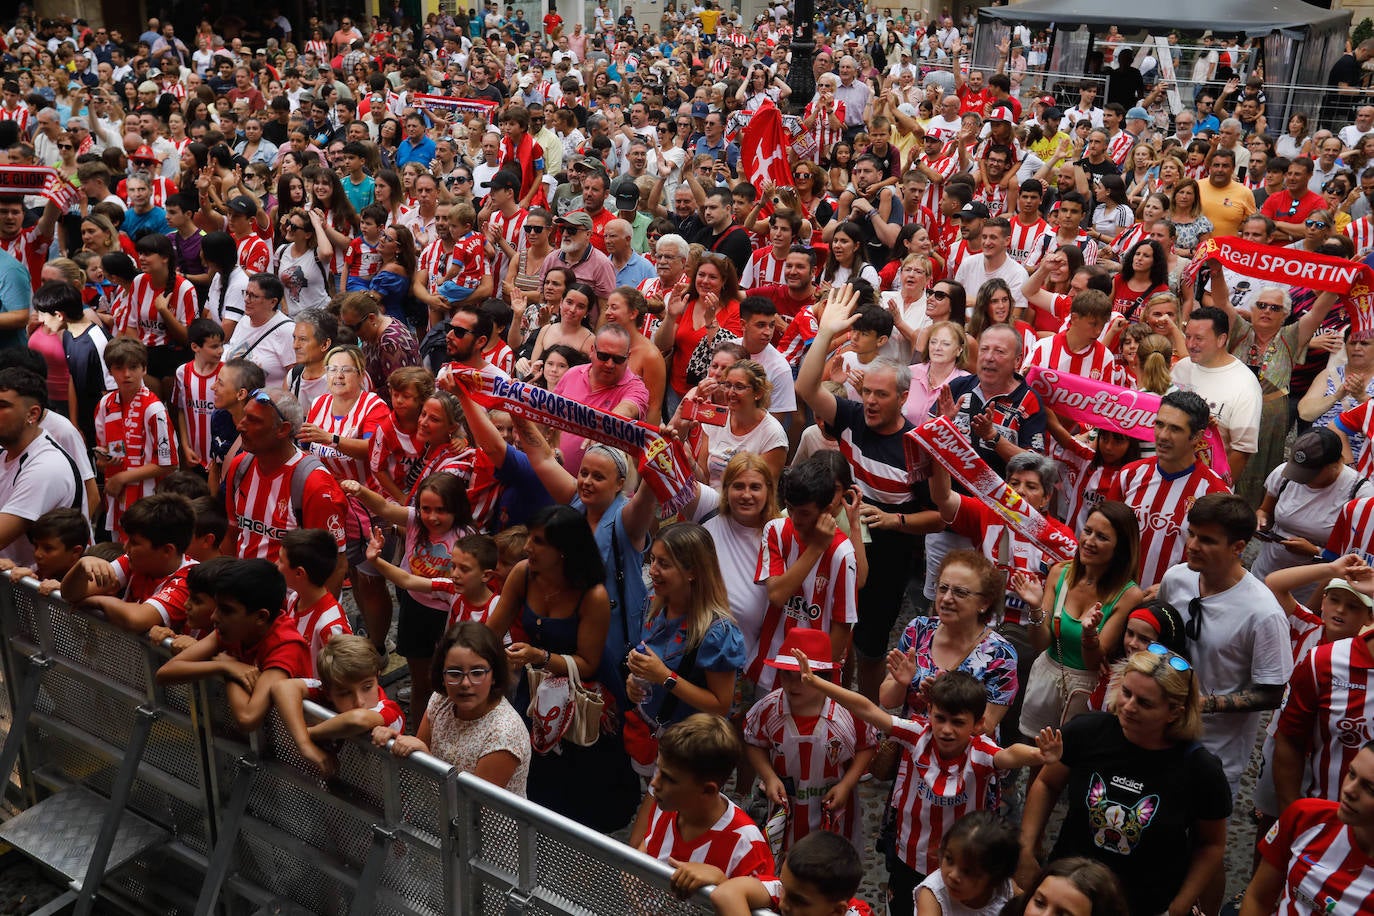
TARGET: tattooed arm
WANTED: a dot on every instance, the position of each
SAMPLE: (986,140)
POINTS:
(1251,699)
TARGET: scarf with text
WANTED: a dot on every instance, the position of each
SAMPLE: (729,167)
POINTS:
(943,441)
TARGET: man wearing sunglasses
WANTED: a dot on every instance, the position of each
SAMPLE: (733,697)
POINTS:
(1237,633)
(605,383)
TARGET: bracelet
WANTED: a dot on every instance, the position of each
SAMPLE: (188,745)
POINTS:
(545,661)
(1037,619)
(901,521)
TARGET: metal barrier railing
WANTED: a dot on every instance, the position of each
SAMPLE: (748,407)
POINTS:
(243,824)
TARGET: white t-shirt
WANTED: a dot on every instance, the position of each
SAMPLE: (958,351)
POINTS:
(784,398)
(897,346)
(944,128)
(737,552)
(34,482)
(935,883)
(231,308)
(306,285)
(767,435)
(1243,641)
(269,346)
(973,273)
(1233,393)
(65,434)
(1304,512)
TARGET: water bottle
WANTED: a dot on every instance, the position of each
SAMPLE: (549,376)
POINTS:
(643,683)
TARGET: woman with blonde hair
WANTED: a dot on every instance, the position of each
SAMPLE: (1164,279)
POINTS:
(1155,358)
(749,427)
(946,353)
(1138,765)
(98,234)
(1191,227)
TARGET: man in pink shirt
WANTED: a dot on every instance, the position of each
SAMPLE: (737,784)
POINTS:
(605,383)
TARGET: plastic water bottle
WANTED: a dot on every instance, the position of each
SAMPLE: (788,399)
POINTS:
(643,683)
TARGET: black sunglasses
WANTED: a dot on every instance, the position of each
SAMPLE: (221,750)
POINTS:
(1193,628)
(610,357)
(458,331)
(535,230)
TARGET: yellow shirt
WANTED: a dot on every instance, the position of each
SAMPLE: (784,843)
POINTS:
(1045,146)
(709,18)
(1226,207)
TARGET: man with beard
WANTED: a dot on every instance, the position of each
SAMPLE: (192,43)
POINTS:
(878,210)
(721,234)
(991,177)
(577,254)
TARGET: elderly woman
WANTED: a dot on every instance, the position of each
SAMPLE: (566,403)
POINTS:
(1270,348)
(1144,798)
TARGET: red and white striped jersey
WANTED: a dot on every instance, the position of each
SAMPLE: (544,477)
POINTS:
(1024,237)
(826,135)
(1361,233)
(30,249)
(1050,241)
(945,166)
(484,490)
(136,434)
(397,453)
(653,288)
(1127,237)
(19,114)
(460,609)
(826,597)
(319,623)
(1085,484)
(1324,869)
(930,793)
(194,397)
(856,907)
(734,844)
(957,254)
(1354,530)
(1095,361)
(764,267)
(360,422)
(511,229)
(434,260)
(1119,147)
(813,758)
(168,595)
(994,195)
(1360,420)
(500,355)
(143,316)
(1161,505)
(260,509)
(254,255)
(1328,712)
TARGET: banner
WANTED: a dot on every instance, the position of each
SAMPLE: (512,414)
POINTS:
(662,461)
(37,180)
(734,127)
(1103,405)
(942,440)
(482,107)
(1282,266)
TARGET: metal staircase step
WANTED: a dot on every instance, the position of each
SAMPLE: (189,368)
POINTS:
(60,832)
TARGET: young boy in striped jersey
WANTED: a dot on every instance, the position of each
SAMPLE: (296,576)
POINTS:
(706,837)
(819,878)
(307,559)
(948,768)
(193,396)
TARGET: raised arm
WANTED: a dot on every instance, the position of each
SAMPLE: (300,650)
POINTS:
(836,318)
(561,485)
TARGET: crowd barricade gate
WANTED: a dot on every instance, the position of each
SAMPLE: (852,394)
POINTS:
(150,797)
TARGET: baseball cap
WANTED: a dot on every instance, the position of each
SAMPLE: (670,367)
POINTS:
(1001,113)
(243,205)
(974,209)
(626,194)
(1053,113)
(147,86)
(1312,451)
(579,219)
(144,154)
(1347,587)
(700,109)
(1137,113)
(1046,100)
(590,164)
(504,181)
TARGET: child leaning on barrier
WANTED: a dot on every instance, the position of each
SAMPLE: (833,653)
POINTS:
(694,827)
(59,538)
(200,606)
(147,586)
(254,645)
(306,561)
(347,681)
(819,877)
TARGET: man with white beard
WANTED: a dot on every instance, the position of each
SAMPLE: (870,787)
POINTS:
(577,254)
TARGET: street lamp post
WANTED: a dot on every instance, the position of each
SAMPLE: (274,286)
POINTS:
(800,79)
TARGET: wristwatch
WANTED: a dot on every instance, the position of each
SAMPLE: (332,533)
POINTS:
(670,682)
(336,440)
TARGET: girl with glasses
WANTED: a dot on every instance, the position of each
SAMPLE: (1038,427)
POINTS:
(469,723)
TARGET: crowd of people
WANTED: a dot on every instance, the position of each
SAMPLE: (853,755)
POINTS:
(251,328)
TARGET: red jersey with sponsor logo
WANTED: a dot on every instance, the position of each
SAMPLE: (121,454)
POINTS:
(1161,503)
(318,623)
(260,510)
(1324,869)
(194,397)
(1328,712)
(167,595)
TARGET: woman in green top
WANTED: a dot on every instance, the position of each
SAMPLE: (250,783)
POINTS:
(1077,627)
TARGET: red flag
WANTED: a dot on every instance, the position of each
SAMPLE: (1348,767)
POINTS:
(763,149)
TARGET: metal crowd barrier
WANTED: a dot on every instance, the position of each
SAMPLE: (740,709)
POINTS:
(150,798)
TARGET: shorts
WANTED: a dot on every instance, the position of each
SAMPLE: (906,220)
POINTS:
(418,628)
(164,359)
(1053,695)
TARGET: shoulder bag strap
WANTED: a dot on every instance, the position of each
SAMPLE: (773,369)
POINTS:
(265,334)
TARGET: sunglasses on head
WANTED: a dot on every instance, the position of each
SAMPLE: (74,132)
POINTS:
(262,397)
(1176,661)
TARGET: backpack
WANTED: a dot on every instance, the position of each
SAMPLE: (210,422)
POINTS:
(299,474)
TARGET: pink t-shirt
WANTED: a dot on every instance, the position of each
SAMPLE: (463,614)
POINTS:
(576,384)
